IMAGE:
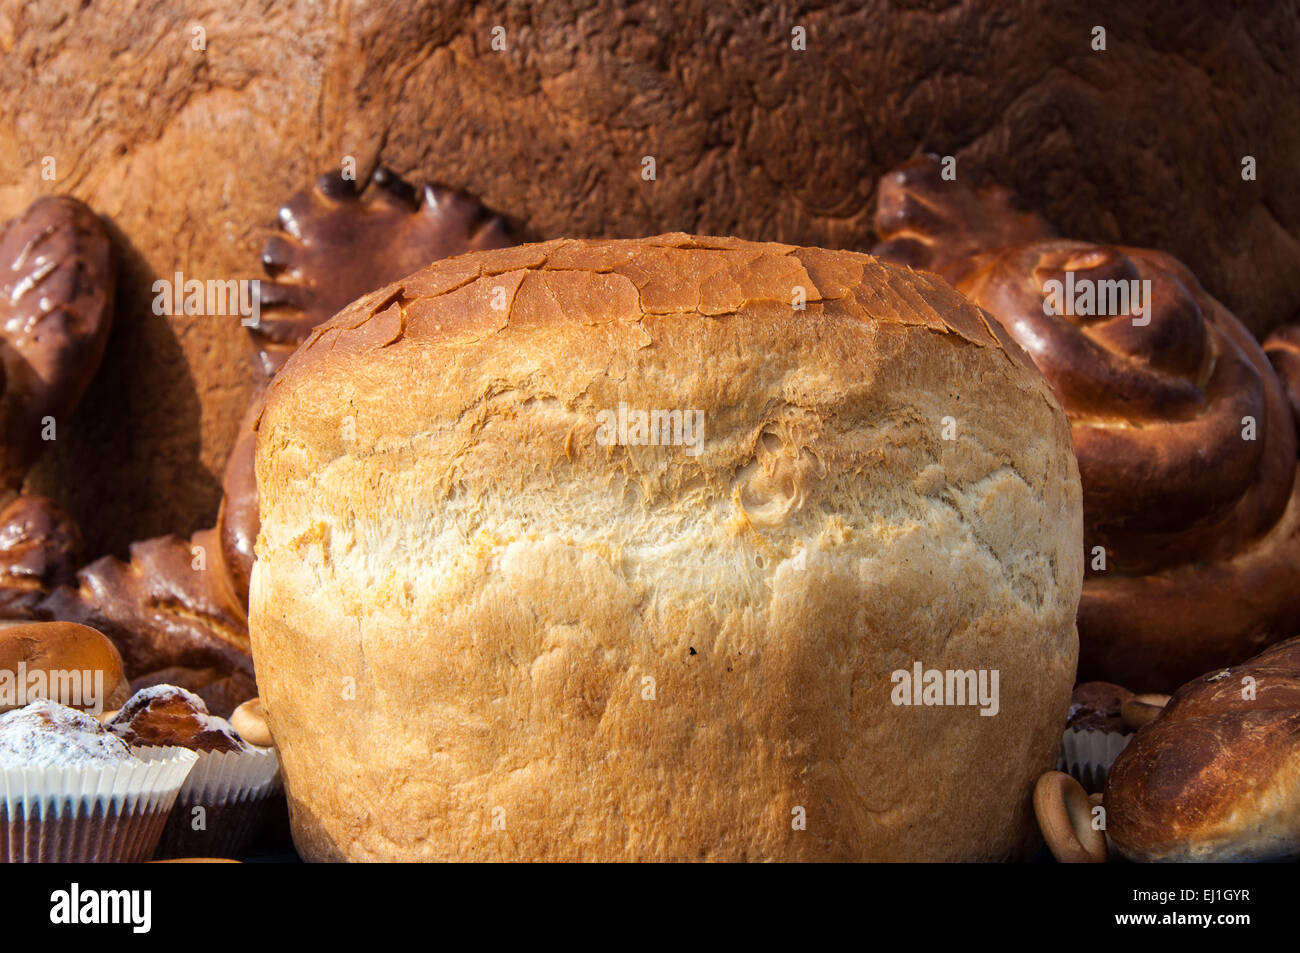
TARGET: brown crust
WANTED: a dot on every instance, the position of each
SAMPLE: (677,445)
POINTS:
(443,529)
(57,270)
(65,647)
(164,717)
(933,224)
(1283,350)
(1064,813)
(163,613)
(335,243)
(1216,776)
(40,548)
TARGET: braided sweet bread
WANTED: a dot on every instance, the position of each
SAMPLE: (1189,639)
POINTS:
(1185,440)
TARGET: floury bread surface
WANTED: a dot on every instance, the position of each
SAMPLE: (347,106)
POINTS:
(481,632)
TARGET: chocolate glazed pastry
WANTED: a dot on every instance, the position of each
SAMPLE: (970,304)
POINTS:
(40,548)
(1185,440)
(57,271)
(1283,349)
(1216,776)
(171,621)
(335,244)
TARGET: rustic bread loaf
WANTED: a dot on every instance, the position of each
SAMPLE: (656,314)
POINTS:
(489,622)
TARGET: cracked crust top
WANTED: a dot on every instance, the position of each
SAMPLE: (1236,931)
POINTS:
(461,588)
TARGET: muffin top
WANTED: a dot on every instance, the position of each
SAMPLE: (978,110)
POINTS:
(1096,706)
(165,716)
(45,734)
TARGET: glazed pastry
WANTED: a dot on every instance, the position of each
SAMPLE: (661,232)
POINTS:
(40,549)
(1185,440)
(57,270)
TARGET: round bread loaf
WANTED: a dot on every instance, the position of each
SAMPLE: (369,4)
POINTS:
(495,616)
(1216,775)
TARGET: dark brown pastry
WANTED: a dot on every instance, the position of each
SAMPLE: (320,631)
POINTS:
(165,614)
(1185,440)
(57,269)
(237,520)
(1095,706)
(169,716)
(1216,776)
(934,224)
(1283,350)
(336,243)
(40,548)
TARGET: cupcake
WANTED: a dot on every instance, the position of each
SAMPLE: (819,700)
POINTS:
(226,798)
(72,791)
(1095,732)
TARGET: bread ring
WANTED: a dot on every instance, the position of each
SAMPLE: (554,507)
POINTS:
(249,720)
(1142,709)
(1065,817)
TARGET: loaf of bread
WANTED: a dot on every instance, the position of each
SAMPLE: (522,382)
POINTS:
(630,549)
(1185,439)
(1216,776)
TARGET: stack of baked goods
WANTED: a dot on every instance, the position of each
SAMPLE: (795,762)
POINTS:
(84,779)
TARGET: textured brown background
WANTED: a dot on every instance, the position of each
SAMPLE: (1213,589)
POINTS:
(189,154)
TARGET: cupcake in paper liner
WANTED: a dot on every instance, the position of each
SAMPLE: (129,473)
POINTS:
(227,796)
(1095,733)
(71,791)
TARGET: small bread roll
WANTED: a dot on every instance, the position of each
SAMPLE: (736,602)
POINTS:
(66,662)
(250,722)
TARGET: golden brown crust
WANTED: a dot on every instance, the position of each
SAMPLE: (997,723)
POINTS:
(62,648)
(460,592)
(1216,776)
(335,242)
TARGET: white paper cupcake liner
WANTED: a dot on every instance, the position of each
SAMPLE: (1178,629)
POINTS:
(91,812)
(232,787)
(1087,755)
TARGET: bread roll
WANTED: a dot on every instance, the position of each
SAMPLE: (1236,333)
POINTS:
(1216,776)
(73,665)
(489,624)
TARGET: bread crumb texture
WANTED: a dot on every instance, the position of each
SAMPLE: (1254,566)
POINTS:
(482,631)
